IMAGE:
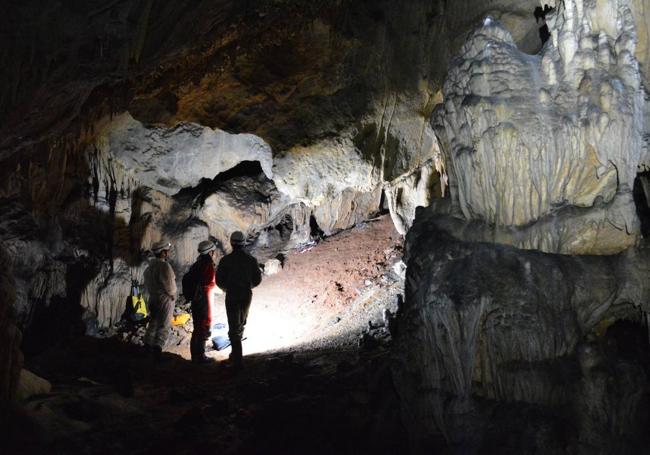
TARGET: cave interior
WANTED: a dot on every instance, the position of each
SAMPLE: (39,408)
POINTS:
(447,202)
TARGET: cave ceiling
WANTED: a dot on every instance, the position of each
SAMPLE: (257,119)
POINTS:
(288,71)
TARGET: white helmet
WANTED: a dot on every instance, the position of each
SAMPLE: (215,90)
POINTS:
(206,246)
(161,246)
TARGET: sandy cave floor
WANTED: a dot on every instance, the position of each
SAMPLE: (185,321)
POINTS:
(317,376)
(325,295)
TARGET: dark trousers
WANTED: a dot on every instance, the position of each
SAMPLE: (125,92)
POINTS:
(202,321)
(237,306)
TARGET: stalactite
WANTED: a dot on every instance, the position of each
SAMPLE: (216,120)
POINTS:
(141,32)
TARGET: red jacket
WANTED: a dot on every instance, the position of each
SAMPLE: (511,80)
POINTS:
(206,275)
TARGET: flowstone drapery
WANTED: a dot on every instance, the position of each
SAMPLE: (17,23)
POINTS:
(527,135)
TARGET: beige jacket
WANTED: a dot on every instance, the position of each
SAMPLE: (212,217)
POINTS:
(160,280)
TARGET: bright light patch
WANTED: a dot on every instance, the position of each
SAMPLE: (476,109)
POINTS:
(272,325)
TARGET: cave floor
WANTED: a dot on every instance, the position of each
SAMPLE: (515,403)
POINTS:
(326,294)
(108,398)
(316,378)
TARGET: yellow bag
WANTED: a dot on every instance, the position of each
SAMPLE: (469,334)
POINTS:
(181,319)
(139,307)
(136,306)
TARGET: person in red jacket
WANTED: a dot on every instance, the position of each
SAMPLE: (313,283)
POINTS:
(202,301)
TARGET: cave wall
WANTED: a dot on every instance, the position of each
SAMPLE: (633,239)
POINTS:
(304,81)
(517,284)
(11,358)
(318,89)
(485,326)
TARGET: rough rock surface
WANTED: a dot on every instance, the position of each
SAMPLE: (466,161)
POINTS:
(584,230)
(104,298)
(171,159)
(492,321)
(30,384)
(526,135)
(11,359)
(418,188)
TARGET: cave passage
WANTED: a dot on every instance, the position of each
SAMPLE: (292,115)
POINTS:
(324,295)
(316,356)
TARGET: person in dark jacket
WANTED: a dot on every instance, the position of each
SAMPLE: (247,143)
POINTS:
(202,301)
(237,274)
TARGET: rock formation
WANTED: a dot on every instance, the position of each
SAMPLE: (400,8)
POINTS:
(11,359)
(168,160)
(491,322)
(526,136)
(542,152)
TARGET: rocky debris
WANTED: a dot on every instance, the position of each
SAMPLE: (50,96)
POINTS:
(184,408)
(75,409)
(400,269)
(272,266)
(283,305)
(516,155)
(30,384)
(375,335)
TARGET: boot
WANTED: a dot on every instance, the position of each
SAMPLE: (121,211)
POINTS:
(236,355)
(205,360)
(197,346)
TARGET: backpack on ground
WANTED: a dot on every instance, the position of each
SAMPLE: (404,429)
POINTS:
(136,308)
(190,282)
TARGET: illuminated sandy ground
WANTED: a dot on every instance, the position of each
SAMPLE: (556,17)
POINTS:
(325,295)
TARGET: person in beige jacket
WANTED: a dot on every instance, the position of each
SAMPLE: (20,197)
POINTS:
(160,281)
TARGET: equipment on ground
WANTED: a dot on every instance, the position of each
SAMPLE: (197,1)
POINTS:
(181,319)
(220,342)
(136,308)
